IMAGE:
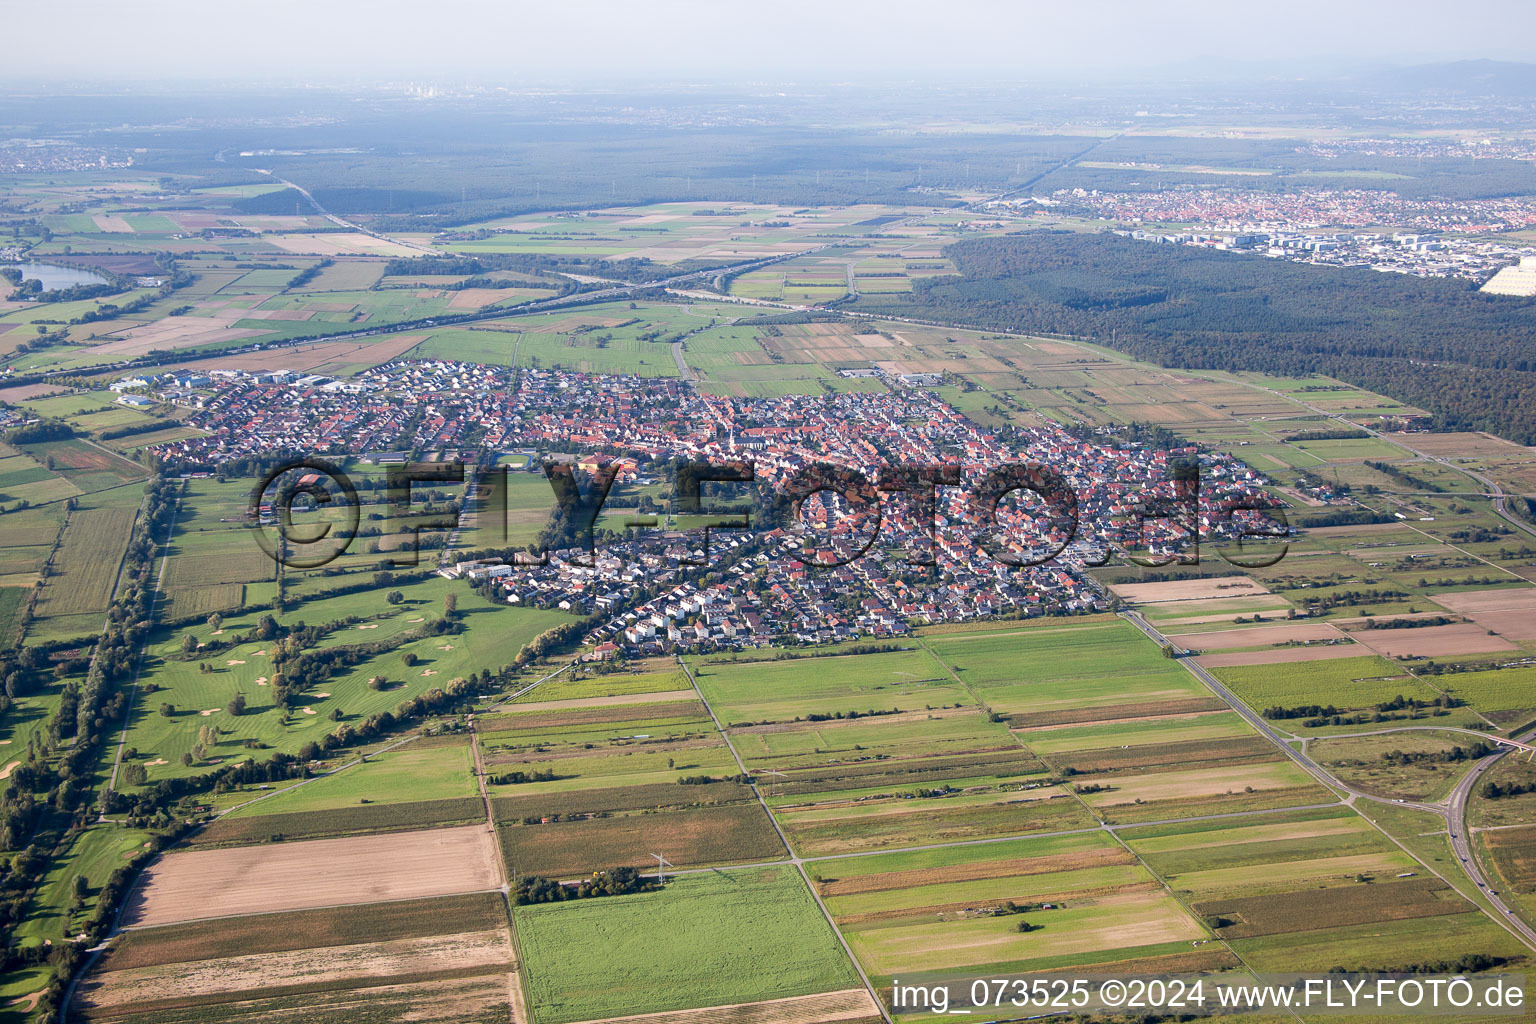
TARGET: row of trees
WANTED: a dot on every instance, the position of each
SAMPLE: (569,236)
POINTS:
(618,882)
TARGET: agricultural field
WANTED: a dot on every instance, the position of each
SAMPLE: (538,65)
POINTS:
(593,784)
(1054,672)
(428,959)
(746,692)
(699,942)
(983,795)
(194,885)
(84,569)
(959,908)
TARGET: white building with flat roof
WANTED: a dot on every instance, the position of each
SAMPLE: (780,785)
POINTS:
(1517,280)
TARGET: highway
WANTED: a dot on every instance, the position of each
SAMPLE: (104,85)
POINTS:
(1452,810)
(619,289)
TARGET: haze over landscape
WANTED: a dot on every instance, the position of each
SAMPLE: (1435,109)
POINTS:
(689,513)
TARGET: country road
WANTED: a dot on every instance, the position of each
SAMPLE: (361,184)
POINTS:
(1495,491)
(1453,809)
(799,864)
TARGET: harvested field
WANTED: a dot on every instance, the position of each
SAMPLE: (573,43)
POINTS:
(1287,797)
(220,597)
(535,721)
(1189,590)
(941,821)
(852,1004)
(176,332)
(1256,636)
(198,981)
(603,702)
(1509,612)
(1513,851)
(1433,641)
(1200,783)
(1206,960)
(198,884)
(1284,655)
(907,771)
(340,243)
(1316,909)
(22,392)
(1116,713)
(1461,444)
(1016,867)
(1113,922)
(1208,753)
(721,834)
(319,357)
(338,821)
(474,298)
(244,563)
(480,999)
(305,929)
(617,798)
(85,566)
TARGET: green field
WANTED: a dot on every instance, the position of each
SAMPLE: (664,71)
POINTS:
(702,941)
(781,690)
(1344,682)
(413,772)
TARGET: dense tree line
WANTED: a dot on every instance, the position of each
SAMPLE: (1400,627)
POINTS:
(32,290)
(130,429)
(1455,755)
(1349,517)
(1433,620)
(307,275)
(43,430)
(1436,343)
(618,882)
(1403,476)
(517,777)
(1340,434)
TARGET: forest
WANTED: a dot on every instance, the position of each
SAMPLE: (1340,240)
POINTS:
(1435,343)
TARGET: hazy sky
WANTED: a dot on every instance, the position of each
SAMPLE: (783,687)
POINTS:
(514,41)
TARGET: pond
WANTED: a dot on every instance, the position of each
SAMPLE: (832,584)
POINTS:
(54,277)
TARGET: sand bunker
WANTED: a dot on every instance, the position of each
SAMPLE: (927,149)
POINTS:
(370,625)
(5,773)
(309,711)
(234,661)
(210,711)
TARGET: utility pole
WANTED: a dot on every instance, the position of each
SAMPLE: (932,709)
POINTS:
(770,771)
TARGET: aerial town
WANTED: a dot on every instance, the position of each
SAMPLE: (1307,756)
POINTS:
(821,579)
(1328,227)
